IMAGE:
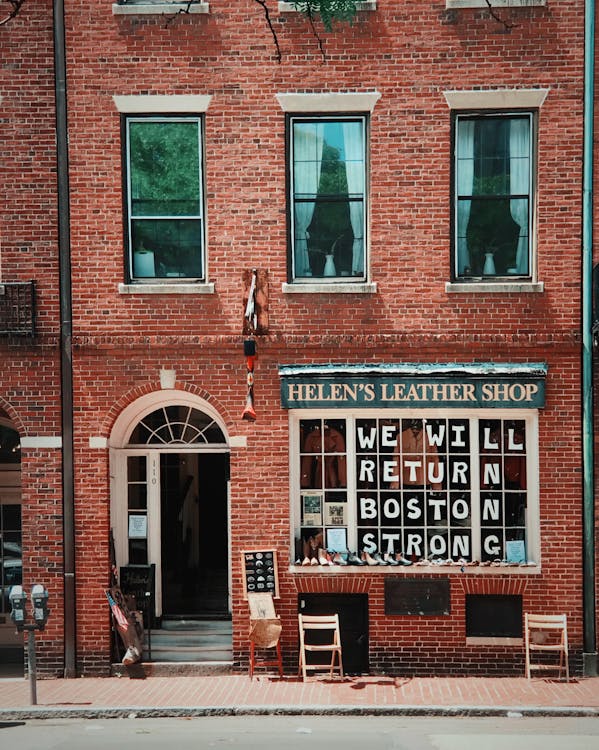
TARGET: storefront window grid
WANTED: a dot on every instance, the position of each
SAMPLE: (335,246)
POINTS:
(529,417)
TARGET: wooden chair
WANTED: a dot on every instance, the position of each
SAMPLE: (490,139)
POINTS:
(322,624)
(546,633)
(265,632)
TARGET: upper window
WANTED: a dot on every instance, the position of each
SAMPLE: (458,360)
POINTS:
(493,196)
(165,225)
(328,198)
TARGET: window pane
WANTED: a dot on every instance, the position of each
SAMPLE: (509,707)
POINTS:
(165,168)
(328,198)
(174,247)
(444,488)
(492,196)
(165,199)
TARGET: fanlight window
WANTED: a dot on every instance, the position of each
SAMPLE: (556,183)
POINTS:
(176,425)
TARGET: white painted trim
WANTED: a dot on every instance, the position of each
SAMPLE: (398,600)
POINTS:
(457,4)
(495,287)
(286,7)
(98,442)
(42,441)
(496,99)
(161,103)
(166,288)
(238,441)
(328,101)
(150,8)
(330,288)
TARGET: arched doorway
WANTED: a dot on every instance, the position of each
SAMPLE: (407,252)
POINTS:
(170,469)
(11,564)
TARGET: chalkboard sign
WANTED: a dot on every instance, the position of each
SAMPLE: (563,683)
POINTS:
(138,581)
(260,573)
(417,596)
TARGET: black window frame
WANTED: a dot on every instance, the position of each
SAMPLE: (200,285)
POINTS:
(130,277)
(480,115)
(318,117)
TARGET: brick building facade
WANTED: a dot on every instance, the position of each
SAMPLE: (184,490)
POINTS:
(418,185)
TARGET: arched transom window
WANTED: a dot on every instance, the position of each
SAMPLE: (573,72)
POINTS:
(176,425)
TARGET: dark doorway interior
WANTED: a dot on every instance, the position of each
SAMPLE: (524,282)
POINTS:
(195,546)
(353,621)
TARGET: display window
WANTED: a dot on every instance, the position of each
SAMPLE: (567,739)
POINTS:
(440,488)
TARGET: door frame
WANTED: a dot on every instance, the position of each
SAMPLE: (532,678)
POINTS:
(118,454)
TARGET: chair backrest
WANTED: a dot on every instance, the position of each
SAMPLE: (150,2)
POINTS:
(319,622)
(558,624)
(545,622)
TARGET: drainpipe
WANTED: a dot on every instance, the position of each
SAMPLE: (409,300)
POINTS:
(66,331)
(589,655)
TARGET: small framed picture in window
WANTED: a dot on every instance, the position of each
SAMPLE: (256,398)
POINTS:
(337,540)
(334,514)
(312,509)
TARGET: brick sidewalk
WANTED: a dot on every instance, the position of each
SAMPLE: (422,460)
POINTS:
(191,695)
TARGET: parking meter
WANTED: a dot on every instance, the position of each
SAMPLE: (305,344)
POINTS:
(18,602)
(39,600)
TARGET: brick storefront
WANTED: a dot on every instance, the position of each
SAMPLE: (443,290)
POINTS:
(414,82)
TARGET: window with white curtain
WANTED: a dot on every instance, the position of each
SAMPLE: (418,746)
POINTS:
(493,196)
(328,198)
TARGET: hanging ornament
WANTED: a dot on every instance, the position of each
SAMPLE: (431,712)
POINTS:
(249,350)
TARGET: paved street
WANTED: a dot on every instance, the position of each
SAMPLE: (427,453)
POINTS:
(307,733)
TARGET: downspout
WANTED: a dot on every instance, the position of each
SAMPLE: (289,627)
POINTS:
(589,655)
(66,331)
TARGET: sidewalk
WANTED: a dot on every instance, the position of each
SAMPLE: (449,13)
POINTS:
(217,694)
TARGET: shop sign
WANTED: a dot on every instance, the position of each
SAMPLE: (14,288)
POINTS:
(413,386)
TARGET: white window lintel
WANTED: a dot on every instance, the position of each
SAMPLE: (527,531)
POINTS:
(329,101)
(161,103)
(496,99)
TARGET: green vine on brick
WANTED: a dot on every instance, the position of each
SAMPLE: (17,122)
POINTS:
(328,10)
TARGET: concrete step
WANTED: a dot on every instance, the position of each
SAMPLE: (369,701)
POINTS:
(172,669)
(191,641)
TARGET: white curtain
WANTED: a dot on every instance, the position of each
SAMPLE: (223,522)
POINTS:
(354,169)
(519,185)
(308,140)
(465,185)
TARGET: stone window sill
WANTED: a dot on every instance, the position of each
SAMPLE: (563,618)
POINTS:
(207,288)
(479,640)
(149,8)
(285,7)
(499,287)
(330,288)
(457,4)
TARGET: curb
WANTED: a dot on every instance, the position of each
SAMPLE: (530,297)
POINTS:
(141,712)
